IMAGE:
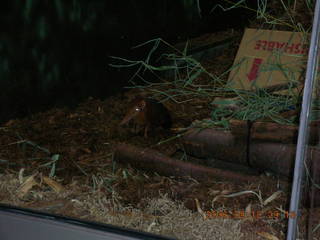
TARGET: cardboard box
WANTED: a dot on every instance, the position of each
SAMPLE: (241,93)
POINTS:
(267,58)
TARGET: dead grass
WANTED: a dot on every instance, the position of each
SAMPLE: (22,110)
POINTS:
(86,185)
(160,215)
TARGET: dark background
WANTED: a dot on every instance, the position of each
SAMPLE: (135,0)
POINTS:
(56,53)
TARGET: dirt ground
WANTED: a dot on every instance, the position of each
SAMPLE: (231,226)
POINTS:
(75,148)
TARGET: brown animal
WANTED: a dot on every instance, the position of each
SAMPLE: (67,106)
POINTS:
(148,113)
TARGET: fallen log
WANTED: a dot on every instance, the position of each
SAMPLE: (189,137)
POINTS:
(153,161)
(273,157)
(263,156)
(213,143)
(273,132)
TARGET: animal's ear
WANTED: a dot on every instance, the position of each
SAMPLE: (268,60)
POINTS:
(143,104)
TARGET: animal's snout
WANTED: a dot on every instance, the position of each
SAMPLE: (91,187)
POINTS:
(130,115)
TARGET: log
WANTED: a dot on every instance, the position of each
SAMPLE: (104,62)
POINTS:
(273,132)
(153,161)
(213,143)
(273,157)
(263,156)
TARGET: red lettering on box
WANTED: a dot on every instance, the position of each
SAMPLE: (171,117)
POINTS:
(289,48)
(264,44)
(258,45)
(297,48)
(254,69)
(305,49)
(271,45)
(281,45)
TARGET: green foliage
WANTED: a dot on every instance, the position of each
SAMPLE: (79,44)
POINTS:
(254,106)
(285,14)
(51,159)
(184,85)
(186,71)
